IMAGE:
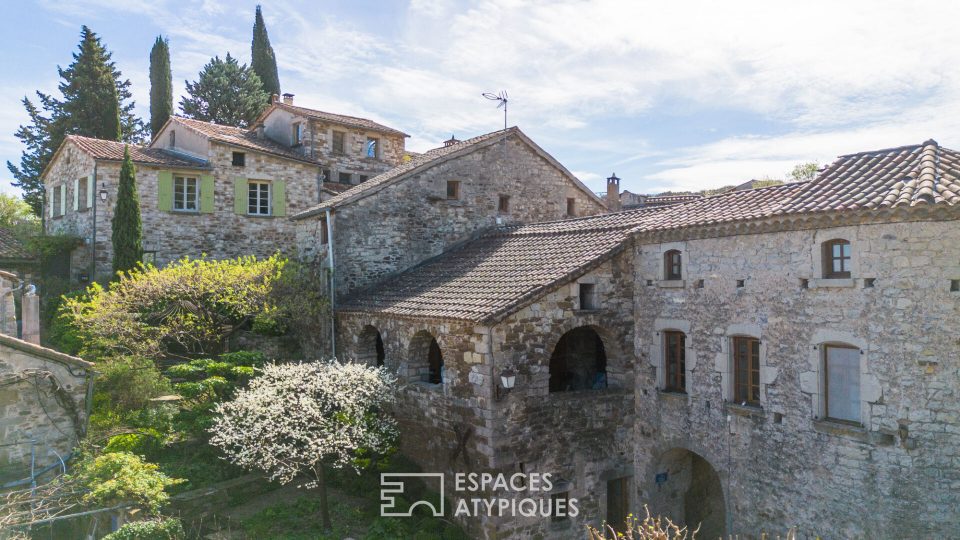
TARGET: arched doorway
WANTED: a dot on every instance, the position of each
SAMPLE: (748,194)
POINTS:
(689,492)
(426,359)
(578,361)
(370,347)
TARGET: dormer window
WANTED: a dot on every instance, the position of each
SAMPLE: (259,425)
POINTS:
(836,259)
(372,147)
(672,265)
(173,138)
(297,135)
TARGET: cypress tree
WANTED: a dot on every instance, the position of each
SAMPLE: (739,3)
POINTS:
(263,60)
(96,103)
(127,227)
(161,85)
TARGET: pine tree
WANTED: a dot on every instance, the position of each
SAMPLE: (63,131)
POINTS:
(95,102)
(127,227)
(226,93)
(263,60)
(161,85)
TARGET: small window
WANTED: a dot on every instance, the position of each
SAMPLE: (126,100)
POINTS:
(364,178)
(435,364)
(345,178)
(836,259)
(672,265)
(82,194)
(326,175)
(560,507)
(571,207)
(746,370)
(57,201)
(588,296)
(185,194)
(674,361)
(338,138)
(841,383)
(453,189)
(258,198)
(297,134)
(503,206)
(173,138)
(324,238)
(372,148)
(239,159)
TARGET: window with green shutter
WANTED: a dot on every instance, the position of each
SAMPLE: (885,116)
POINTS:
(165,190)
(279,198)
(206,193)
(240,195)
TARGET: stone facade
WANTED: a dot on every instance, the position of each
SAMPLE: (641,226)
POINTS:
(412,220)
(43,407)
(169,235)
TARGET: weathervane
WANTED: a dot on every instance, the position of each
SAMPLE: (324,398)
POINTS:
(502,98)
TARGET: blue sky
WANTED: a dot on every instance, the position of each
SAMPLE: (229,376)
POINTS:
(681,95)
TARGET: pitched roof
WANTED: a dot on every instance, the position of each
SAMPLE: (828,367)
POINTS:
(430,159)
(914,175)
(113,151)
(11,248)
(663,200)
(350,121)
(486,277)
(240,138)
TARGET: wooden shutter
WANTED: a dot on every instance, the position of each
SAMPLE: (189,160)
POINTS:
(279,198)
(165,191)
(206,193)
(76,194)
(90,190)
(53,211)
(240,195)
(63,199)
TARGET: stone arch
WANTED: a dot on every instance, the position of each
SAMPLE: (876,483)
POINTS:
(688,491)
(425,361)
(578,361)
(370,349)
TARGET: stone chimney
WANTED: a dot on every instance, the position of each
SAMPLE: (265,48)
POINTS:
(287,98)
(450,142)
(613,193)
(259,131)
(274,98)
(30,311)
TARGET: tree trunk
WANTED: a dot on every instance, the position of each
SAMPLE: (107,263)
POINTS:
(324,507)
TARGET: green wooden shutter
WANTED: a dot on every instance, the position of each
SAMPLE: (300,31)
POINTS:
(53,211)
(279,198)
(240,195)
(63,199)
(76,194)
(90,187)
(206,193)
(165,190)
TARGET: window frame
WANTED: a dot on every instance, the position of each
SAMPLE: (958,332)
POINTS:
(58,196)
(341,175)
(455,193)
(196,194)
(679,385)
(752,374)
(83,188)
(296,134)
(503,204)
(829,258)
(259,200)
(342,136)
(571,207)
(673,265)
(173,138)
(587,294)
(825,363)
(376,148)
(242,160)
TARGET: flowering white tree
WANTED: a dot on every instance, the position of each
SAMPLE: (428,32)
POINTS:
(294,419)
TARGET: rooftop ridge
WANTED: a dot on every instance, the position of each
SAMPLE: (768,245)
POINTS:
(887,150)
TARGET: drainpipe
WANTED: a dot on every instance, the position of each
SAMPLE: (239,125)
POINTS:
(93,236)
(333,284)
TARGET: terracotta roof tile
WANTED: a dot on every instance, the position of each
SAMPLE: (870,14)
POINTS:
(11,248)
(241,138)
(351,121)
(113,151)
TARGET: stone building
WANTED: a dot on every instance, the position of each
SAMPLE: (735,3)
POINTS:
(211,189)
(755,360)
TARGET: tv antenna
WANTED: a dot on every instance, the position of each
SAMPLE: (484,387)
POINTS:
(502,98)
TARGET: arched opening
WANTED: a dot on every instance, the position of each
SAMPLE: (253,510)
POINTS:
(426,359)
(370,347)
(689,492)
(578,362)
(837,257)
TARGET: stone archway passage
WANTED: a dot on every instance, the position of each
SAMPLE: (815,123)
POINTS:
(426,359)
(578,362)
(370,347)
(688,491)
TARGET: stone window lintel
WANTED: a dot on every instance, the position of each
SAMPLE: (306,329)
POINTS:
(832,283)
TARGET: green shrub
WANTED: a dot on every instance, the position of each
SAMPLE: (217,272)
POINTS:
(147,443)
(128,383)
(219,368)
(244,358)
(269,323)
(122,477)
(155,529)
(184,371)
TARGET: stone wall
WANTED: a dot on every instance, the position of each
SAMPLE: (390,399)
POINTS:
(43,404)
(412,220)
(782,464)
(168,235)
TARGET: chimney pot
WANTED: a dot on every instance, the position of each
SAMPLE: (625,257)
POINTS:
(451,141)
(288,98)
(613,193)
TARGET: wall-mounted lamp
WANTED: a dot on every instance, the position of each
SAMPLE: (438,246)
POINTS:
(508,378)
(103,195)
